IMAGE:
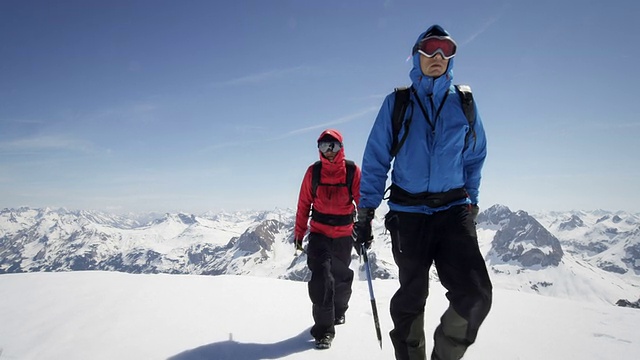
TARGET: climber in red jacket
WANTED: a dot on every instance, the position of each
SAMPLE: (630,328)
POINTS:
(330,193)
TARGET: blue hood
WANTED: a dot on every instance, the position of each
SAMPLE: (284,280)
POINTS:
(426,84)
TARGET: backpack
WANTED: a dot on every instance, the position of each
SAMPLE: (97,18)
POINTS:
(315,177)
(402,100)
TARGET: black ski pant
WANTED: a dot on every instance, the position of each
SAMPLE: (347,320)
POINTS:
(449,240)
(331,279)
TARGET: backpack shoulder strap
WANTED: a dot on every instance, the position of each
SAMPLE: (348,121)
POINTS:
(315,177)
(469,109)
(402,96)
(351,170)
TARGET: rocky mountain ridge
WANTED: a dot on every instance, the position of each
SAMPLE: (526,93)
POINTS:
(559,254)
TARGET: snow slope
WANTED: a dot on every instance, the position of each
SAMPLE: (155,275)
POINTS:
(110,315)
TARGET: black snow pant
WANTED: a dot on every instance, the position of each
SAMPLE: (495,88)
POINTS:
(449,240)
(331,279)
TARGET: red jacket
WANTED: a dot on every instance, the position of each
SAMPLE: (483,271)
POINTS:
(331,200)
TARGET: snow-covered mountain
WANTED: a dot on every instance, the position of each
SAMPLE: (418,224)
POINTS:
(525,252)
(61,240)
(610,241)
(591,256)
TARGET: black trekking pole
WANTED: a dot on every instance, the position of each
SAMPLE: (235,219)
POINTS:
(374,308)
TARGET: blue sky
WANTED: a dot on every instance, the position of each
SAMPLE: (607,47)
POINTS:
(208,105)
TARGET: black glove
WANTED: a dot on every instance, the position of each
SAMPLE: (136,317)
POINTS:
(298,244)
(474,210)
(362,229)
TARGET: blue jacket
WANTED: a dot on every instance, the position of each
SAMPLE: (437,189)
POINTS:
(429,161)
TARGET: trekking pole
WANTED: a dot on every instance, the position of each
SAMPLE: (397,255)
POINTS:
(374,308)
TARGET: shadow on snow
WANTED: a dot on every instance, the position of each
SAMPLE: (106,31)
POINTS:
(231,350)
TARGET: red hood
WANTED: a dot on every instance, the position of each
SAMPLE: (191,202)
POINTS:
(333,133)
(340,155)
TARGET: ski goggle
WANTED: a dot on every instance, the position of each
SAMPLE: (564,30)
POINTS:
(443,45)
(326,146)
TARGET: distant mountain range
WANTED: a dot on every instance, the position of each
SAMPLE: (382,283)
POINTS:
(588,255)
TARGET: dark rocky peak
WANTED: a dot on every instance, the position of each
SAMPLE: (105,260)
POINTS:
(185,219)
(574,222)
(259,237)
(524,240)
(629,304)
(495,215)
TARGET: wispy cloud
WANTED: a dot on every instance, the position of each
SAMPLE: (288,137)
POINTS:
(616,126)
(569,126)
(263,76)
(482,29)
(45,143)
(375,97)
(21,121)
(324,125)
(341,120)
(487,24)
(143,111)
(250,129)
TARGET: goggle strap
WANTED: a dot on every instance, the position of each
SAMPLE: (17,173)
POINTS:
(438,51)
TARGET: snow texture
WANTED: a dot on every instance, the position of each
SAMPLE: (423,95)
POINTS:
(110,315)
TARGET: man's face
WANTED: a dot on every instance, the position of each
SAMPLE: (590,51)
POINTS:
(330,155)
(433,66)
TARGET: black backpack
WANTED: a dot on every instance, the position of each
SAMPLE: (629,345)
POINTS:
(403,96)
(315,177)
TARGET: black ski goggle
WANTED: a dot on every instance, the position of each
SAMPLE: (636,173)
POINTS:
(326,146)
